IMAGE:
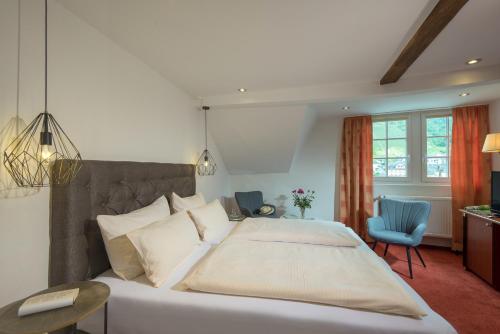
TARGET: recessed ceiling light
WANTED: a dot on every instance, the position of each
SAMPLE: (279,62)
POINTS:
(346,108)
(473,61)
(242,90)
(464,94)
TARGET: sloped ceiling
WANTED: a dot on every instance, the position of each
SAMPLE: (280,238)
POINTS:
(259,140)
(295,56)
(217,46)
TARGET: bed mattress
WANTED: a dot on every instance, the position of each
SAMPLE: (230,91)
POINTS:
(137,307)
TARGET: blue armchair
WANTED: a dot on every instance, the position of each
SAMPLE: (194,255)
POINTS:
(250,203)
(401,223)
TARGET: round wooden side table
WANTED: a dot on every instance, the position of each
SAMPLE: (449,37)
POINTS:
(92,296)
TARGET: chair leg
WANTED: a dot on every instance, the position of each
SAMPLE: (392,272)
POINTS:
(374,245)
(386,248)
(408,255)
(420,256)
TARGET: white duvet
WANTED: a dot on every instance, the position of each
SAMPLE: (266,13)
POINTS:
(297,231)
(343,276)
(144,309)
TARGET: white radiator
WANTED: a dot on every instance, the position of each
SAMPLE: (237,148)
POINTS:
(440,219)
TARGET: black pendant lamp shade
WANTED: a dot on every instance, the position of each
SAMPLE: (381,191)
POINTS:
(206,163)
(42,154)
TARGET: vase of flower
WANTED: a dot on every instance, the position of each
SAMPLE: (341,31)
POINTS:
(303,200)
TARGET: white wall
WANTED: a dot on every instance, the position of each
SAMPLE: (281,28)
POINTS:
(112,106)
(248,140)
(314,167)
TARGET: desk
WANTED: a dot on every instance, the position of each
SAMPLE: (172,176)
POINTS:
(481,249)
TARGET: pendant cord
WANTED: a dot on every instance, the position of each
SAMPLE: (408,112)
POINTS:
(46,23)
(18,63)
(206,136)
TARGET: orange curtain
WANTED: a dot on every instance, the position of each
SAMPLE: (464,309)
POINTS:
(470,168)
(356,179)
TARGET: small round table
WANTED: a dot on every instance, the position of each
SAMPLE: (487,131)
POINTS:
(91,297)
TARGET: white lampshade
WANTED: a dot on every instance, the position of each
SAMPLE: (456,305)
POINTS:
(492,143)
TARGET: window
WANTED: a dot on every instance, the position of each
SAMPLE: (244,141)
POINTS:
(390,149)
(436,147)
(413,147)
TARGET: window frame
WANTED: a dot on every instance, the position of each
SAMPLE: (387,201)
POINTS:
(395,117)
(424,115)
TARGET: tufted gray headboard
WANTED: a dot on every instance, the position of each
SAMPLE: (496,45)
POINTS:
(104,187)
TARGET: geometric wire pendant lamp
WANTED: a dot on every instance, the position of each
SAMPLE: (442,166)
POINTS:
(42,154)
(8,186)
(206,163)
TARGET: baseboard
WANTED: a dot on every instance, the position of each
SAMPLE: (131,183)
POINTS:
(436,241)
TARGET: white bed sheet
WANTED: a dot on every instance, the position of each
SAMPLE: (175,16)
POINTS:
(137,307)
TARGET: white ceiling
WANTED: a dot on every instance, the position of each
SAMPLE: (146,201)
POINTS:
(215,47)
(412,101)
(473,33)
(291,54)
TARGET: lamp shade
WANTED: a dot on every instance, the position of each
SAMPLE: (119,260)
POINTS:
(8,186)
(492,143)
(31,155)
(206,163)
(43,144)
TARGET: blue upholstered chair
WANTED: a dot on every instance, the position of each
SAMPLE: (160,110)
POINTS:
(250,202)
(401,223)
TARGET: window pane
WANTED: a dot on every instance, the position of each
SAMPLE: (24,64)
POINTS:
(379,167)
(396,147)
(379,148)
(378,130)
(436,126)
(397,167)
(437,167)
(396,129)
(450,124)
(437,147)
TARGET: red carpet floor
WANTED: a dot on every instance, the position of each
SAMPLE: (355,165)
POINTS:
(467,302)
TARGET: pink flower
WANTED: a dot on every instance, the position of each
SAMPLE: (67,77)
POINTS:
(300,191)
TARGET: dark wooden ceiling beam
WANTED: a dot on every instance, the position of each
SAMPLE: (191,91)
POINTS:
(441,15)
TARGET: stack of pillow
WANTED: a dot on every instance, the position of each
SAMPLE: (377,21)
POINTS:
(152,241)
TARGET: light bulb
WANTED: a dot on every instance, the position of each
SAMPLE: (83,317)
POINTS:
(206,163)
(47,153)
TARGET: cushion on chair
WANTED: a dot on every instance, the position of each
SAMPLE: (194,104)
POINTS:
(393,237)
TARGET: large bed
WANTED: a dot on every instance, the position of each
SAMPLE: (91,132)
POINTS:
(135,306)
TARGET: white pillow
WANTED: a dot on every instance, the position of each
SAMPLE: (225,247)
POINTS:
(211,221)
(185,203)
(164,244)
(121,253)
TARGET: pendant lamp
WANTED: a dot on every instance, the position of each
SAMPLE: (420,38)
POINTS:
(206,163)
(42,154)
(8,186)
